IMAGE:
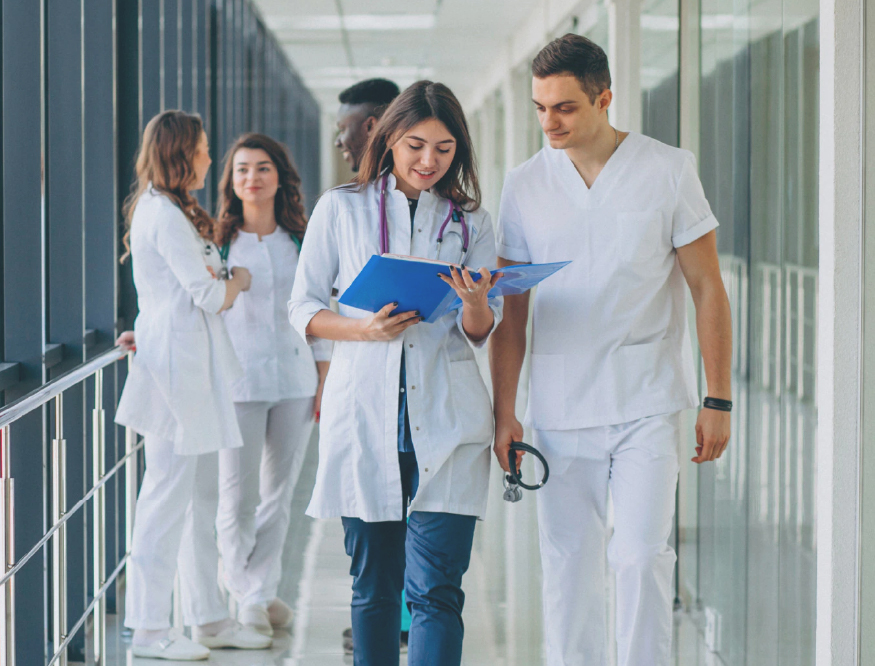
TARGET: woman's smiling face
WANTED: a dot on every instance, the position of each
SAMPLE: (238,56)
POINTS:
(423,154)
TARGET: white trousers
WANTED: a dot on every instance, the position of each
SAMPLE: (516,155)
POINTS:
(256,483)
(176,512)
(638,463)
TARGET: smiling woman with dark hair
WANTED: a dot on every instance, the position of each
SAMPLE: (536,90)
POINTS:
(261,225)
(406,419)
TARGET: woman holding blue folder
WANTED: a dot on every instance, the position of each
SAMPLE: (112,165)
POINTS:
(406,422)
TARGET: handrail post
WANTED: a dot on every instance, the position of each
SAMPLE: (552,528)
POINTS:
(59,541)
(7,551)
(99,508)
(130,492)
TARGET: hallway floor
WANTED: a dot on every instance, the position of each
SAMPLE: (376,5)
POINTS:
(502,621)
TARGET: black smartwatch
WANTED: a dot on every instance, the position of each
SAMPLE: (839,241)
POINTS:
(718,404)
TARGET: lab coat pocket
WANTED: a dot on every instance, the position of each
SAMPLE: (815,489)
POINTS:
(547,403)
(473,409)
(639,234)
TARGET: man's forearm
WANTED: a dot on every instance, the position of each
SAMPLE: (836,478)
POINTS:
(507,350)
(714,328)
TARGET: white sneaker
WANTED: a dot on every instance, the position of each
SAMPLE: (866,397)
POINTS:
(234,636)
(174,648)
(280,614)
(256,618)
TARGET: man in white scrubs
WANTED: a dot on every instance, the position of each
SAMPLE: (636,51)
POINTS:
(611,364)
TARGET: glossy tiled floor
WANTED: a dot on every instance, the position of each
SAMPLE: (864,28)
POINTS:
(502,612)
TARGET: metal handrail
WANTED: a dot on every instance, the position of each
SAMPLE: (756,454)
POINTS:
(100,593)
(55,387)
(54,390)
(69,514)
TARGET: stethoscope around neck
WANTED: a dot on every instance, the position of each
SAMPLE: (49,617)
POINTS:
(455,214)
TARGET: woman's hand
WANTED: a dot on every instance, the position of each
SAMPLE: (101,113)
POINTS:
(240,280)
(242,277)
(322,368)
(126,341)
(477,318)
(383,325)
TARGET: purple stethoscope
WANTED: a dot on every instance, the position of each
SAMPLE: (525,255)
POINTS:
(455,214)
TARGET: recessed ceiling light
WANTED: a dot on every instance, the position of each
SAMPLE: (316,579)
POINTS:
(354,22)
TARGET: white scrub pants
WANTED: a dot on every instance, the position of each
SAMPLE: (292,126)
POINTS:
(176,512)
(638,463)
(256,483)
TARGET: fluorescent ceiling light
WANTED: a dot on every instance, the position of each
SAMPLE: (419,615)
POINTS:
(354,22)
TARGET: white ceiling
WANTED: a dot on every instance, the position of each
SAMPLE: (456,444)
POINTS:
(334,43)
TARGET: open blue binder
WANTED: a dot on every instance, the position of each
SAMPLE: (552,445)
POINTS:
(415,285)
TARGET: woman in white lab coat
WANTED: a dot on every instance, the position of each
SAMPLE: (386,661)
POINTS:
(406,425)
(260,224)
(178,395)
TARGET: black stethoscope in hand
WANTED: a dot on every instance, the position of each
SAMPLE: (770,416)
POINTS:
(513,481)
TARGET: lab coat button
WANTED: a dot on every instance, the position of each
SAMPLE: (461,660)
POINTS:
(417,427)
(426,469)
(413,388)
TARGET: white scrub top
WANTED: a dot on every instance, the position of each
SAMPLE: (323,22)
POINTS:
(179,386)
(448,404)
(610,342)
(277,363)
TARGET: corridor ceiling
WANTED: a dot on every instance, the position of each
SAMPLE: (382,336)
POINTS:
(334,43)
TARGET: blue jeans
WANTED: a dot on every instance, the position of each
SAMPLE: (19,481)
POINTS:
(427,556)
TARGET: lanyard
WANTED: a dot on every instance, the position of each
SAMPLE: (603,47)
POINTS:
(454,214)
(226,249)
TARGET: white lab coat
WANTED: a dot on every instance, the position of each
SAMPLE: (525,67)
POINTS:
(449,406)
(277,362)
(610,343)
(179,387)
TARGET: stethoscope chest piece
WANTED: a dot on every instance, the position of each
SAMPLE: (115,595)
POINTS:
(513,483)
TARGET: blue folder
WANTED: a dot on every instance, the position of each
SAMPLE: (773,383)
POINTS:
(415,285)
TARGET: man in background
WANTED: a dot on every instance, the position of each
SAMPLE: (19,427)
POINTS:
(361,106)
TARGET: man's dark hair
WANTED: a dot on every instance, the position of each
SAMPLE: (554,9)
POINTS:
(378,93)
(577,56)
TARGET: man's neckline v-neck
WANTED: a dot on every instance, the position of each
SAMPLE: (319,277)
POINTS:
(577,179)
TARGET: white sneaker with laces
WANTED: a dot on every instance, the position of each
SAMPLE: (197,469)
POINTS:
(233,636)
(280,614)
(256,618)
(173,648)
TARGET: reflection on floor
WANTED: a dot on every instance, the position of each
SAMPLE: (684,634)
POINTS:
(502,611)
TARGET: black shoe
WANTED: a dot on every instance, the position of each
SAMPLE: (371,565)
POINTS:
(404,642)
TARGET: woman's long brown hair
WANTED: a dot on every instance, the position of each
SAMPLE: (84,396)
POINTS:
(288,203)
(422,101)
(166,160)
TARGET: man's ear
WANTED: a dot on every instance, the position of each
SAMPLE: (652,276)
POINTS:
(370,123)
(604,100)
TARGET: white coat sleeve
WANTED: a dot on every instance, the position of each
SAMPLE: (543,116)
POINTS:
(483,256)
(510,237)
(692,217)
(184,256)
(317,269)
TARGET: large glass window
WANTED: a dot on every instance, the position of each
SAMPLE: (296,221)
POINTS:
(758,163)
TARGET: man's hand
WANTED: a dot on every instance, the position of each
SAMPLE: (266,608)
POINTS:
(507,431)
(712,434)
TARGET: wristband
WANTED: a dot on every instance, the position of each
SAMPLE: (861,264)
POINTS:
(718,404)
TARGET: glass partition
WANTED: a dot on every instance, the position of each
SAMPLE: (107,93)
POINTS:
(759,129)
